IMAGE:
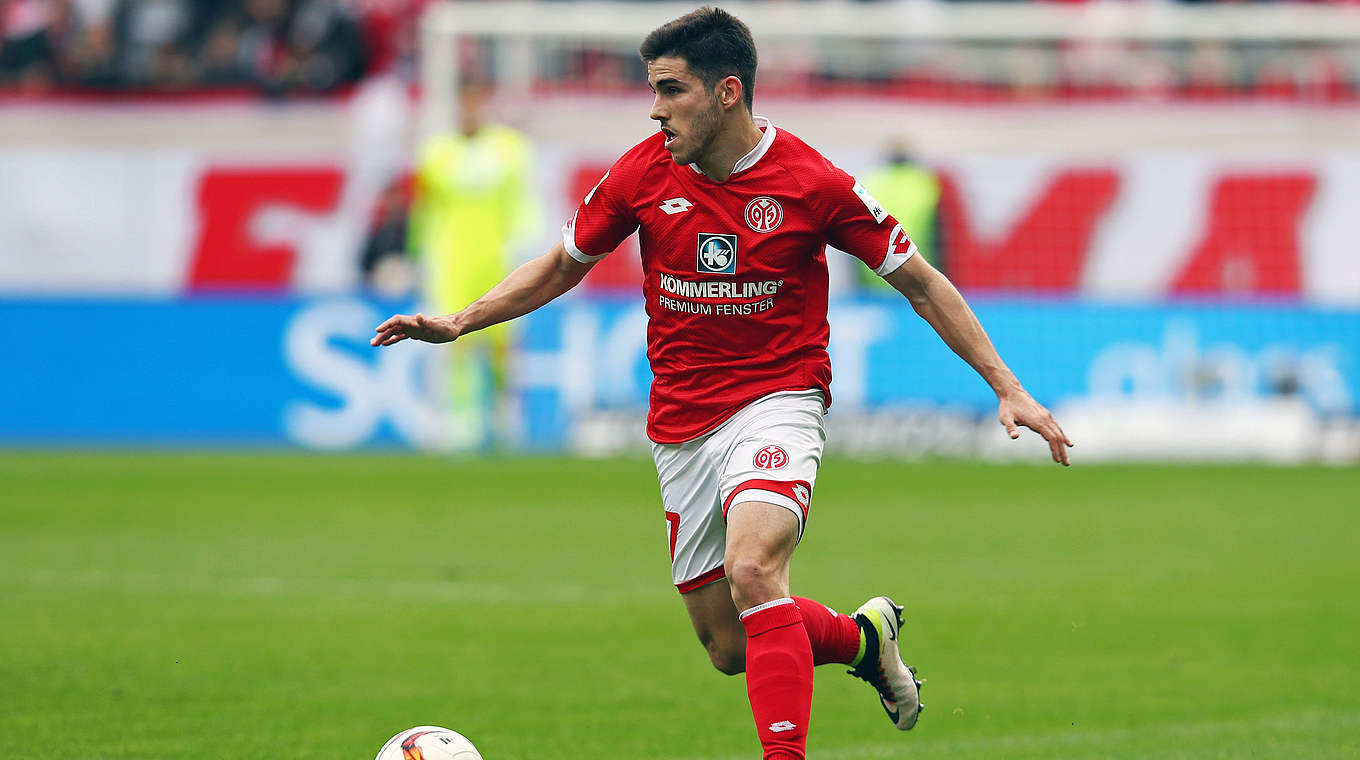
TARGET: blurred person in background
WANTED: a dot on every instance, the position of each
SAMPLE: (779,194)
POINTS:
(27,56)
(90,44)
(472,202)
(1210,70)
(391,34)
(219,62)
(158,38)
(324,48)
(910,191)
(262,24)
(384,261)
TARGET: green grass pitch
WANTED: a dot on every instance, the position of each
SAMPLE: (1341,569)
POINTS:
(283,605)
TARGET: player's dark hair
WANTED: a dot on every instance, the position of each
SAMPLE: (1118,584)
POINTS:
(713,43)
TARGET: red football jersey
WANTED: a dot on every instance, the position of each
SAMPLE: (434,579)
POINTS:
(734,272)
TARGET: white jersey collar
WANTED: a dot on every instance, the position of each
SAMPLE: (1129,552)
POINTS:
(750,159)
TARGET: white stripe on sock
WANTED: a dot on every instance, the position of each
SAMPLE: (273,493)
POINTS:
(766,606)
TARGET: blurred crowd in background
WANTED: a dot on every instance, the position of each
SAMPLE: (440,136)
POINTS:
(272,46)
(277,47)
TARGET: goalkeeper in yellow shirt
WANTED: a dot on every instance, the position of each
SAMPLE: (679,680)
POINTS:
(472,203)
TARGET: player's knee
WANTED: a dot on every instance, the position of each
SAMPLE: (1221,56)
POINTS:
(754,580)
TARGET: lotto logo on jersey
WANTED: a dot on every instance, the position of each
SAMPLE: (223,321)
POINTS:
(771,458)
(717,253)
(898,242)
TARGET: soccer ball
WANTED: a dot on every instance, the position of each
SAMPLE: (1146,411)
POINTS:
(428,743)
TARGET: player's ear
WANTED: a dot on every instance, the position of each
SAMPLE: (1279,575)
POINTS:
(729,91)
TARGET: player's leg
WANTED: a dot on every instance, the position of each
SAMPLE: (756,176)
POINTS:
(760,541)
(715,621)
(774,449)
(776,463)
(836,638)
(688,475)
(465,394)
(502,413)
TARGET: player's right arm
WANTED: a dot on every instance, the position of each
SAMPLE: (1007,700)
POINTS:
(528,287)
(604,218)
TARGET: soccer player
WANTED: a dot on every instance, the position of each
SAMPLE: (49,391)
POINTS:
(733,216)
(472,203)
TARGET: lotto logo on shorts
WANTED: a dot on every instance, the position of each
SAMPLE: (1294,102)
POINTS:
(771,458)
(717,253)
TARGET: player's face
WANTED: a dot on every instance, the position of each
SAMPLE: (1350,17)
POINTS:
(688,111)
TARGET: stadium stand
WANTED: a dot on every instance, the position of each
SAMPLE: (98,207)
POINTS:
(175,46)
(324,46)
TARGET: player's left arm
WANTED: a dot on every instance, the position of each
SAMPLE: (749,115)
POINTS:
(938,302)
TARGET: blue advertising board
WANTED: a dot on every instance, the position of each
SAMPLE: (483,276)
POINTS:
(231,371)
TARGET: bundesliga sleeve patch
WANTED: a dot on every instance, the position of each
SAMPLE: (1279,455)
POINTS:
(871,203)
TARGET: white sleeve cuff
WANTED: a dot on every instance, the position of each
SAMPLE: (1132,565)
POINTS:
(569,242)
(894,260)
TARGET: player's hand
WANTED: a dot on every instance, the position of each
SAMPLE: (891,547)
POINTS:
(1021,409)
(399,327)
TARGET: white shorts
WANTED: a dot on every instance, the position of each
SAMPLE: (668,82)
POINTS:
(768,452)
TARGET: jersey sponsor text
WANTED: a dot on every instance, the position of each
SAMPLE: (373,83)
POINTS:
(721,309)
(719,288)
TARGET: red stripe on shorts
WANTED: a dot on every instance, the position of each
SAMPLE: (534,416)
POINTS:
(784,487)
(716,574)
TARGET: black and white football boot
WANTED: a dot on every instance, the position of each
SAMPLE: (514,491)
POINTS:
(880,620)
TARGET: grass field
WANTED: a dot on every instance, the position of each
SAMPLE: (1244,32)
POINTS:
(261,606)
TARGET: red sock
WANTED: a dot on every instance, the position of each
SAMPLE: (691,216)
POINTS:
(779,677)
(834,637)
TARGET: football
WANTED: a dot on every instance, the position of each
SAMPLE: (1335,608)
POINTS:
(428,743)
